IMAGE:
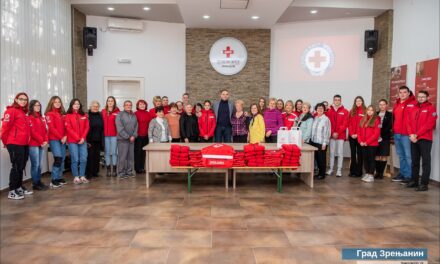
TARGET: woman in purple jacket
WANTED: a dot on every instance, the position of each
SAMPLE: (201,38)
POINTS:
(273,121)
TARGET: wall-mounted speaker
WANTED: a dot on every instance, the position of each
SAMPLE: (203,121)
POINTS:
(90,40)
(371,42)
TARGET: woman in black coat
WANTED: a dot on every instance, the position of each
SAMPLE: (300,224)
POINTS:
(383,151)
(189,125)
(94,140)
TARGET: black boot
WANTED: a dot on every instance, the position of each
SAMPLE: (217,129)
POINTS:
(380,168)
(108,172)
(114,172)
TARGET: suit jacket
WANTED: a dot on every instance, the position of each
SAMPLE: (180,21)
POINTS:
(231,109)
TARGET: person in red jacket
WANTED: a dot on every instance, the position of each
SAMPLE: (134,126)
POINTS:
(402,109)
(39,139)
(338,116)
(298,107)
(289,116)
(421,128)
(54,114)
(368,133)
(357,112)
(207,123)
(109,114)
(143,118)
(165,104)
(157,101)
(77,127)
(15,135)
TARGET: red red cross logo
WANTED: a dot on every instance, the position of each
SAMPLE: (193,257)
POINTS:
(317,59)
(228,52)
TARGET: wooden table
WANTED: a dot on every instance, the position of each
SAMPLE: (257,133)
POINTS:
(158,155)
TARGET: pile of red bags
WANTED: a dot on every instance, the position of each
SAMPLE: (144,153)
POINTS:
(218,156)
(292,155)
(195,159)
(254,155)
(273,158)
(239,160)
(179,155)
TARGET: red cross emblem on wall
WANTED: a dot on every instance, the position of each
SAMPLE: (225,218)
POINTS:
(228,52)
(317,59)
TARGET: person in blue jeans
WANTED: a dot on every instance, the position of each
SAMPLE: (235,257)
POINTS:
(54,115)
(37,142)
(77,128)
(402,110)
(223,110)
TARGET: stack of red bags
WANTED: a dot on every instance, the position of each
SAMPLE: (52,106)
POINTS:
(292,155)
(273,158)
(179,155)
(195,159)
(254,155)
(239,159)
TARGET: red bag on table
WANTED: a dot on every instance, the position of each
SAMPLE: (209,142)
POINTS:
(218,156)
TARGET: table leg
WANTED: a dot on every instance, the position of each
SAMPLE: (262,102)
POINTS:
(234,178)
(280,179)
(227,179)
(189,180)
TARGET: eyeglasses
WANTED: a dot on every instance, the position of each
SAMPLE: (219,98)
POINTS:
(22,99)
(421,96)
(37,105)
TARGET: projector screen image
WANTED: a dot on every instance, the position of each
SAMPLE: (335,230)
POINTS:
(323,58)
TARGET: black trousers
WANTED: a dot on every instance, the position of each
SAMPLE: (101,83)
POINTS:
(203,140)
(239,139)
(139,153)
(356,161)
(175,140)
(321,158)
(93,158)
(421,149)
(369,156)
(18,155)
(272,139)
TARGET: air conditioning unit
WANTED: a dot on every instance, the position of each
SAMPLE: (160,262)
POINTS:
(124,24)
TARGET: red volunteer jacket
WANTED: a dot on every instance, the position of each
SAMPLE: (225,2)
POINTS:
(422,121)
(110,122)
(15,127)
(401,114)
(55,124)
(38,130)
(166,109)
(369,135)
(207,123)
(289,119)
(339,121)
(143,117)
(218,155)
(354,121)
(77,127)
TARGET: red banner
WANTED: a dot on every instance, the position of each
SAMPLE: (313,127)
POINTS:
(426,78)
(398,78)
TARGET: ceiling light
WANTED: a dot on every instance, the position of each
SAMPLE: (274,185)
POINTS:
(313,11)
(255,17)
(110,8)
(206,17)
(146,8)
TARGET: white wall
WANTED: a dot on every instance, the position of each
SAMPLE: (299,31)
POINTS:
(287,83)
(157,55)
(416,38)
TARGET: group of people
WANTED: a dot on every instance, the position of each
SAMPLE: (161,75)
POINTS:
(123,133)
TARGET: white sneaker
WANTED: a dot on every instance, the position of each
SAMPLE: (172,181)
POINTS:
(22,190)
(329,172)
(84,179)
(15,195)
(77,180)
(369,178)
(364,177)
(339,173)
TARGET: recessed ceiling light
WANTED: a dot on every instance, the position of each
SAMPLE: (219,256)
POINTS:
(255,17)
(313,11)
(206,16)
(110,8)
(146,8)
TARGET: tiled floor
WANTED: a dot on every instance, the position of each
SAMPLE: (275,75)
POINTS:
(112,221)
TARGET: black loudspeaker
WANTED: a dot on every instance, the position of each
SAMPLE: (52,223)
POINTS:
(371,42)
(90,40)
